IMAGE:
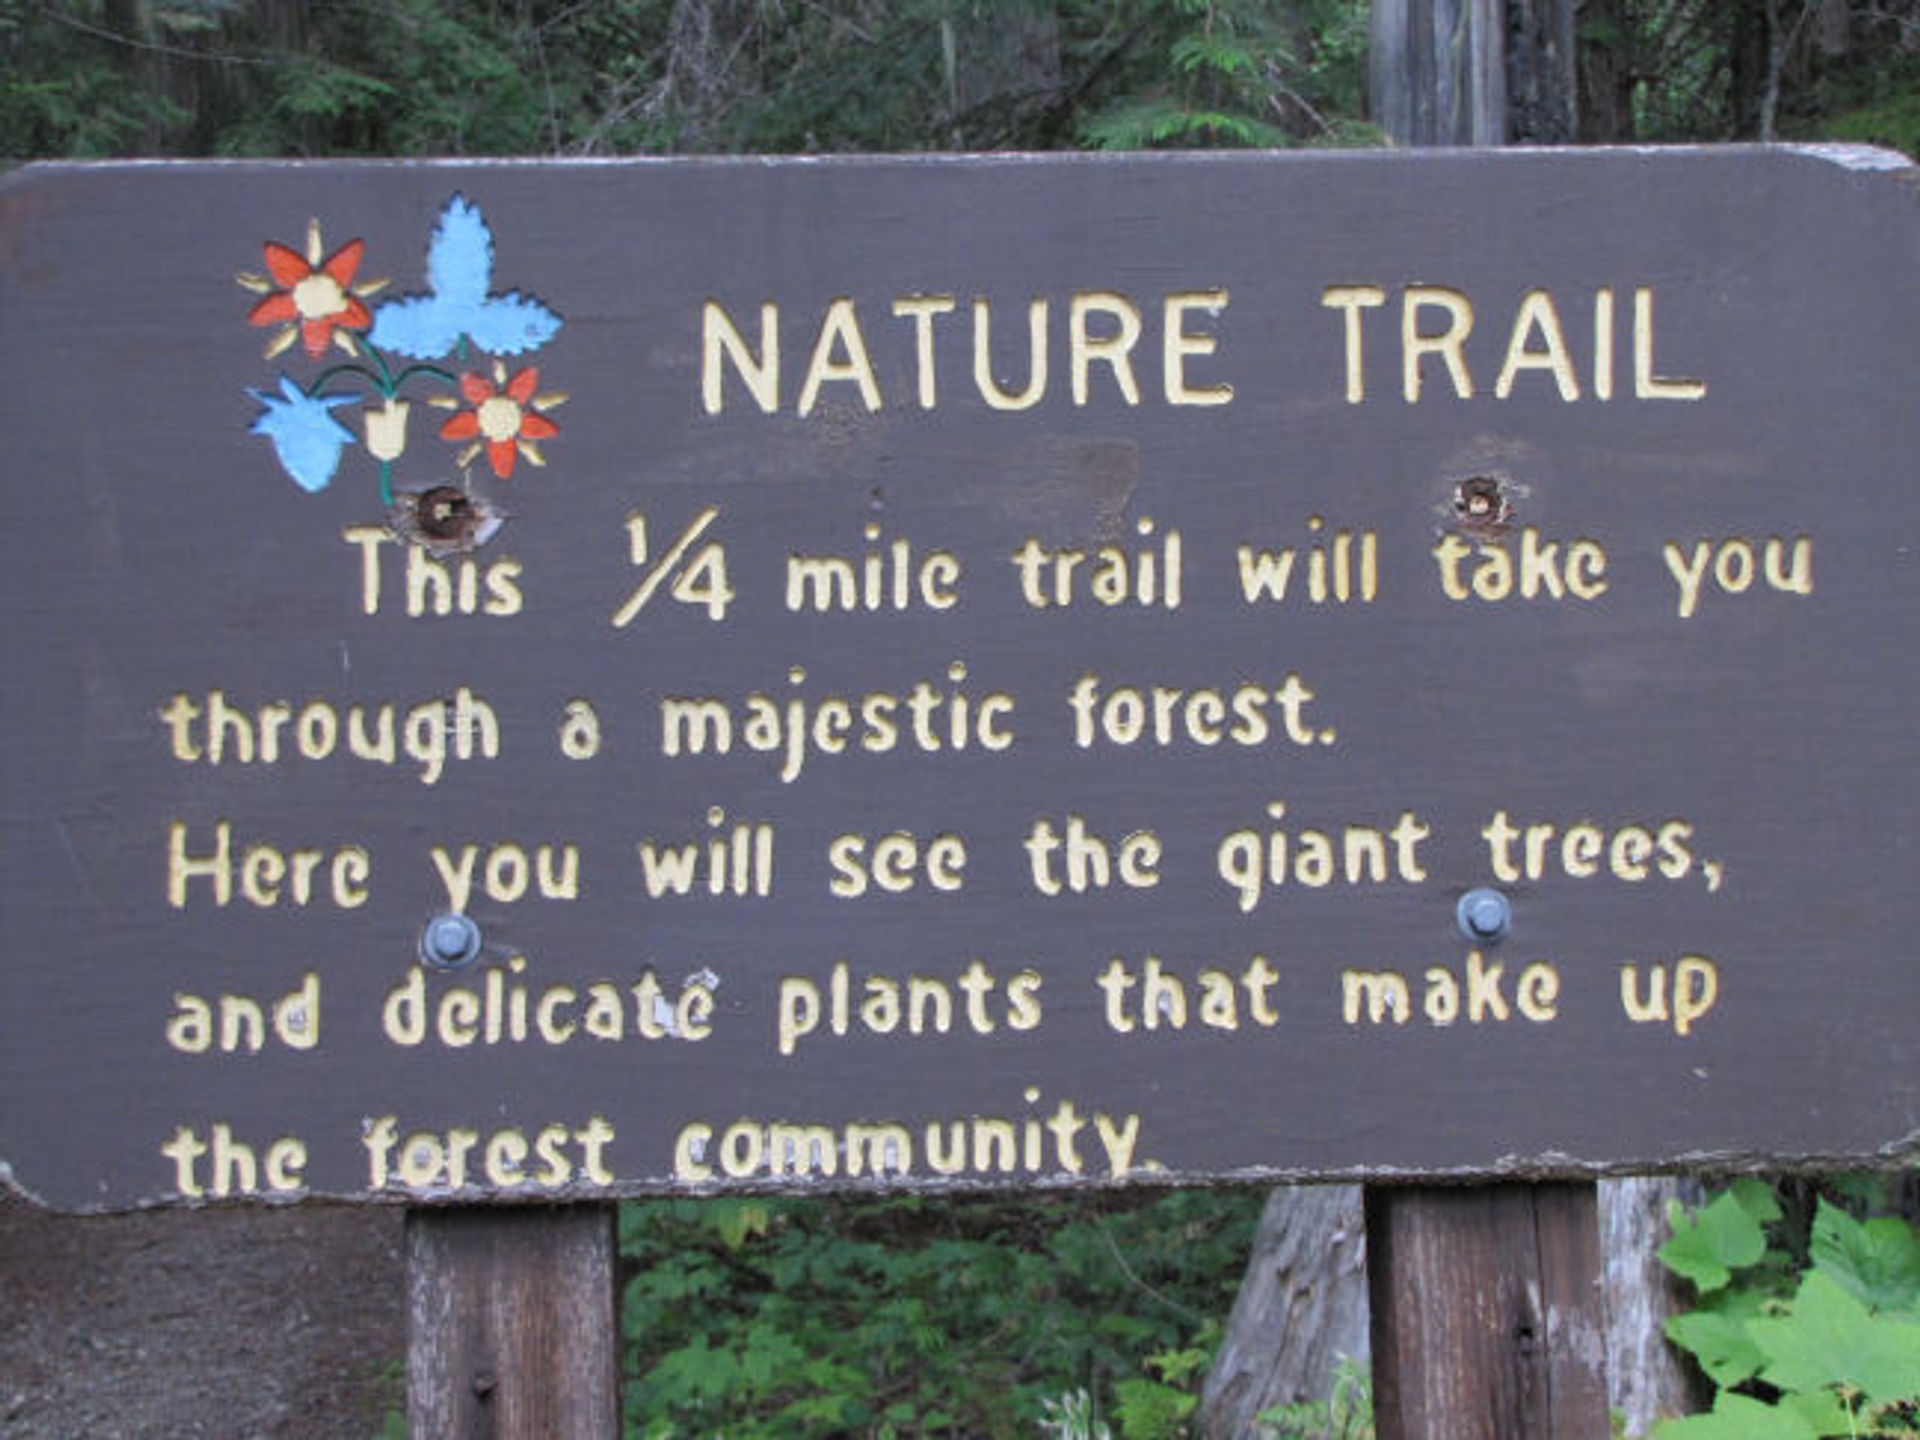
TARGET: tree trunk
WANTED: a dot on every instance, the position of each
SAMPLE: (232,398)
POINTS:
(696,73)
(1302,1306)
(1434,71)
(123,20)
(1604,53)
(1749,66)
(1833,30)
(1776,65)
(1647,1378)
(1542,88)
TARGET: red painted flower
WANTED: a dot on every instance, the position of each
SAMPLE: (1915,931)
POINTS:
(309,296)
(506,418)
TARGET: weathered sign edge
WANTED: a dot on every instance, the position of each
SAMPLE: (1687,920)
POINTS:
(1858,158)
(1549,1164)
(1546,1165)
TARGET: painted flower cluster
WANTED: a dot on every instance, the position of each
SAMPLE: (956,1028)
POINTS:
(459,336)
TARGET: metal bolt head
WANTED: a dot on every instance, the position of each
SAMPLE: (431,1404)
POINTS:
(449,941)
(1483,915)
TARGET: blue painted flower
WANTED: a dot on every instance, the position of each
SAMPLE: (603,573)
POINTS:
(305,435)
(461,302)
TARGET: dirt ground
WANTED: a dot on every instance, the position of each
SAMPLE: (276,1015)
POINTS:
(208,1325)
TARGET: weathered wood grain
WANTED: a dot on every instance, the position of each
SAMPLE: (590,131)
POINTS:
(215,899)
(1646,1377)
(1436,73)
(1487,1313)
(1301,1307)
(510,1324)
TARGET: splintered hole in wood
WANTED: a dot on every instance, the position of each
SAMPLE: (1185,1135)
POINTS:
(1481,503)
(446,515)
(446,520)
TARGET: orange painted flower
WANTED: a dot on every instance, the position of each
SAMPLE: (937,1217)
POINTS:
(506,419)
(313,296)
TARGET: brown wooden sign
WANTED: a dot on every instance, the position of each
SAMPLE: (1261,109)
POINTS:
(977,672)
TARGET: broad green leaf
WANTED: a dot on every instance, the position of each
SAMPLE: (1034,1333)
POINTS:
(1822,1410)
(1735,1417)
(1719,1343)
(1710,1243)
(734,1220)
(1830,1338)
(1756,1197)
(1878,1262)
(696,1371)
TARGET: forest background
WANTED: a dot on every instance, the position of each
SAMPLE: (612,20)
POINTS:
(986,1316)
(82,78)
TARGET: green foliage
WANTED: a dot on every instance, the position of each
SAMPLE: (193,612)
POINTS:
(1876,104)
(1808,1335)
(1347,1414)
(379,77)
(1071,1417)
(1893,122)
(413,77)
(1199,73)
(1212,60)
(1724,1235)
(594,77)
(906,1317)
(64,93)
(1149,1410)
(391,1383)
(1712,70)
(1156,1406)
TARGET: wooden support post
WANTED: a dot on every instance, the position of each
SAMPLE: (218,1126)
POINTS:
(1488,1319)
(510,1323)
(1436,70)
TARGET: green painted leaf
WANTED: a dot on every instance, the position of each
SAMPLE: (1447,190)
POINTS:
(1878,1262)
(1710,1243)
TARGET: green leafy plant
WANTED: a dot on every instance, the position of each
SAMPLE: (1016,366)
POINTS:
(1071,1417)
(1805,1338)
(1346,1414)
(391,1384)
(1217,78)
(1155,1406)
(900,1317)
